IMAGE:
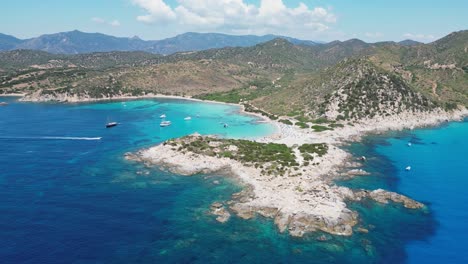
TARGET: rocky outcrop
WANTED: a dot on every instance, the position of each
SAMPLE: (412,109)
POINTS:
(385,197)
(296,224)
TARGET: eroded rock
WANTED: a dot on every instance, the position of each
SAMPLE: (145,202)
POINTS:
(384,197)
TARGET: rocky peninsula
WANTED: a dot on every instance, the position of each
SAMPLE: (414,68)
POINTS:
(289,176)
(291,184)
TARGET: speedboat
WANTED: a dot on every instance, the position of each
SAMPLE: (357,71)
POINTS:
(162,116)
(409,144)
(165,123)
(225,125)
(408,168)
(111,124)
(188,118)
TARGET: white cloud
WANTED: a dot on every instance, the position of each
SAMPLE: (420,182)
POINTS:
(375,35)
(421,37)
(98,20)
(157,10)
(114,23)
(270,16)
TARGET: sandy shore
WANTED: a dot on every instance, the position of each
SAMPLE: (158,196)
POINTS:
(13,95)
(83,99)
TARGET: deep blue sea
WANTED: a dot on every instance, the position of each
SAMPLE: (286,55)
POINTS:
(66,197)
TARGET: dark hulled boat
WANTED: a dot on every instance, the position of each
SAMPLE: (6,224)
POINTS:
(111,124)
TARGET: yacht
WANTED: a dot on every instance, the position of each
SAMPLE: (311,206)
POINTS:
(165,123)
(111,124)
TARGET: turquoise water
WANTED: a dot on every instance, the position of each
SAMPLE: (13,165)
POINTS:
(67,199)
(439,175)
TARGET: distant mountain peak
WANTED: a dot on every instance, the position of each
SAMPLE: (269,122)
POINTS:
(409,42)
(280,41)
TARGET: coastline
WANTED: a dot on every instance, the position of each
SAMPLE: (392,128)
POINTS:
(81,99)
(77,99)
(301,204)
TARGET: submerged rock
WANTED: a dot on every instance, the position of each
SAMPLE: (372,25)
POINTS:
(362,230)
(219,210)
(323,238)
(243,211)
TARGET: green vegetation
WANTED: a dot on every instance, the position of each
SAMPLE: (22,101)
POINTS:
(321,120)
(252,109)
(271,158)
(232,96)
(241,150)
(302,125)
(319,128)
(334,125)
(320,149)
(286,121)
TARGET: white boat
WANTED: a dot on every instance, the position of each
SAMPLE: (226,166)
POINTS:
(188,118)
(225,125)
(111,124)
(162,116)
(409,144)
(408,168)
(165,123)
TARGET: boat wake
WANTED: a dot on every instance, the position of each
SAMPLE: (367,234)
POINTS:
(50,138)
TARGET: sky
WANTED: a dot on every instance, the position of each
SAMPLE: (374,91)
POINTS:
(319,20)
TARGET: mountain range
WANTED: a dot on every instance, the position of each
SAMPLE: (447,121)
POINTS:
(340,80)
(77,42)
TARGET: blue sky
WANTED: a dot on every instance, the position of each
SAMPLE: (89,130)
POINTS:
(326,20)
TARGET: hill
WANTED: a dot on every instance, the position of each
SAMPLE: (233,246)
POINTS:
(409,42)
(8,42)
